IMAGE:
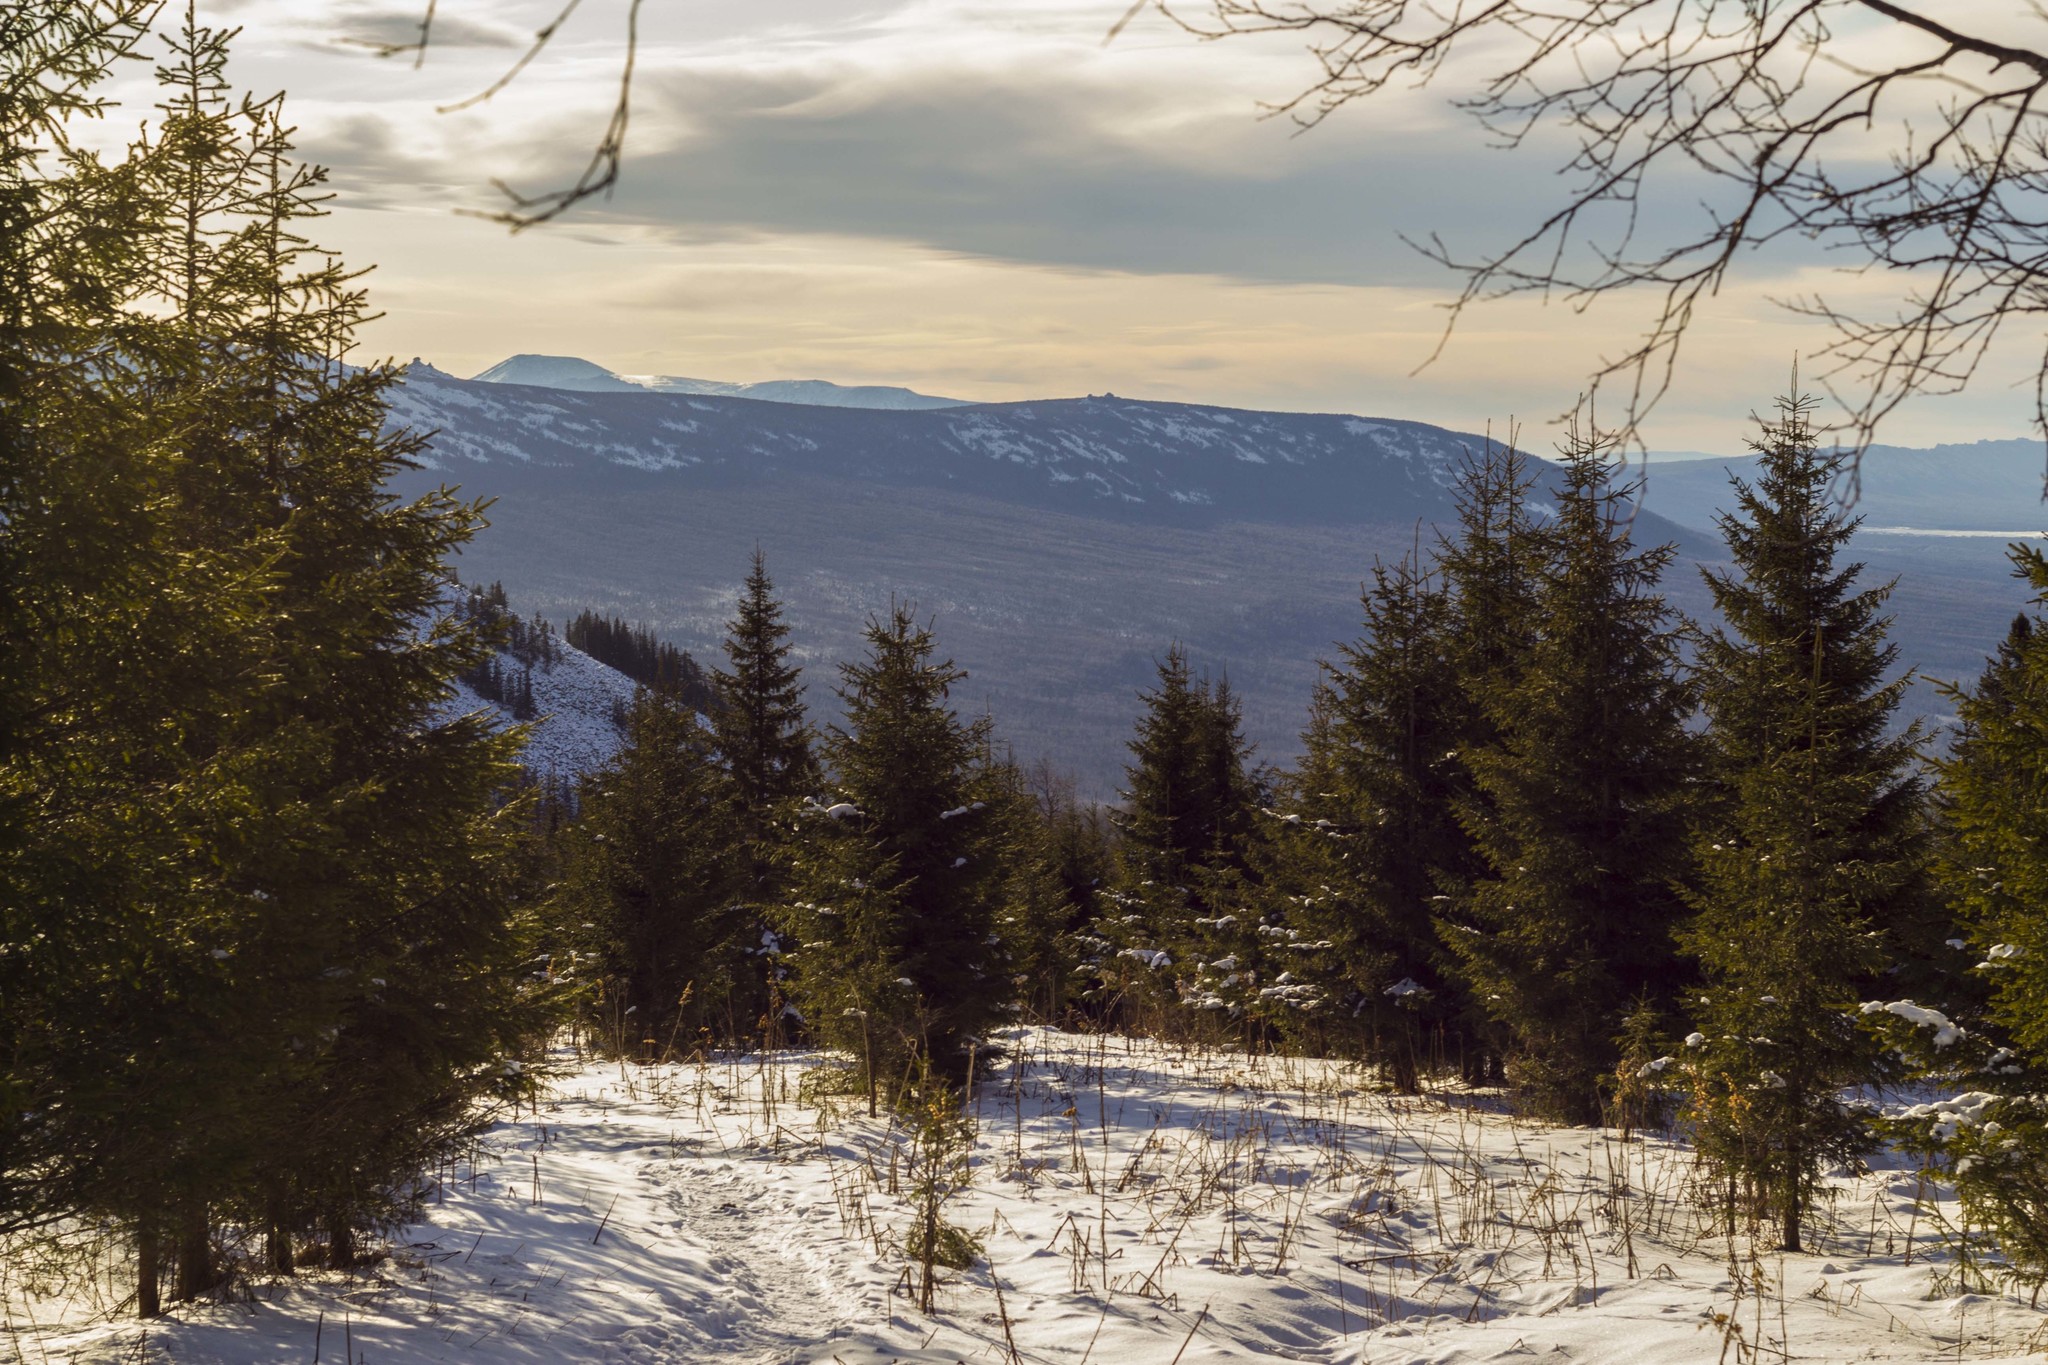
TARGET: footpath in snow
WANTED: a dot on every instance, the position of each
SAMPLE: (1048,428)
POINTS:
(1137,1202)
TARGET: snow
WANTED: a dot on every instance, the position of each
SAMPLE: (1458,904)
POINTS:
(1138,1202)
(572,732)
(1945,1032)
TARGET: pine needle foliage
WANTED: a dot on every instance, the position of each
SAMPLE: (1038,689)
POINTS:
(1371,834)
(264,919)
(763,736)
(1995,872)
(764,744)
(1812,851)
(1579,806)
(1185,914)
(653,891)
(898,881)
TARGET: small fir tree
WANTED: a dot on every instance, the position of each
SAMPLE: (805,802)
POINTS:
(899,878)
(1185,897)
(1994,871)
(763,738)
(653,888)
(1813,850)
(1371,834)
(1490,565)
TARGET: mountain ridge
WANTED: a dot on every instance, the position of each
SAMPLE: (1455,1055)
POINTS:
(576,375)
(1044,539)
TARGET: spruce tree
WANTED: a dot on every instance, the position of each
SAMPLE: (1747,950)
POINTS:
(654,881)
(1185,914)
(1813,850)
(282,889)
(899,877)
(762,735)
(1371,835)
(1490,565)
(1994,872)
(1579,802)
(764,745)
(1188,800)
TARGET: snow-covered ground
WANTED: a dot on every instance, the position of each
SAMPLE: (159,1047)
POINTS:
(1138,1203)
(572,731)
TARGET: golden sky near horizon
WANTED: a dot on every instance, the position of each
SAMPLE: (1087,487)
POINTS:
(983,201)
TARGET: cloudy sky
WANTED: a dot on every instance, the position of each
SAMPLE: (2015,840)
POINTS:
(981,200)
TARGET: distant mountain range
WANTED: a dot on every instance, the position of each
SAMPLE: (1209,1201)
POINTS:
(582,376)
(1061,545)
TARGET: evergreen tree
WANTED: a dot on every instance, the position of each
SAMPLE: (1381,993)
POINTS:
(281,892)
(764,745)
(1185,915)
(899,879)
(1371,835)
(1188,800)
(762,735)
(87,548)
(1813,851)
(1490,567)
(1579,808)
(1994,870)
(653,880)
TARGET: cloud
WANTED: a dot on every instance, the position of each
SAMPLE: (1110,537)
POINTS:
(1071,171)
(377,24)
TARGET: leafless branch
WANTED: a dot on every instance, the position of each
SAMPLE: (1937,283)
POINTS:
(1755,101)
(601,173)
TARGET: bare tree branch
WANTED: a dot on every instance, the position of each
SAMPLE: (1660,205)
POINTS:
(1754,97)
(600,175)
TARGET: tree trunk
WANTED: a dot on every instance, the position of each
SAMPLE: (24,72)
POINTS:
(1402,1072)
(148,1270)
(278,1248)
(196,1272)
(277,1242)
(1794,1161)
(341,1242)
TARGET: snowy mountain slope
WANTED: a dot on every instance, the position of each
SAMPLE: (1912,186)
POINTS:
(568,372)
(1176,462)
(555,372)
(572,732)
(1134,1201)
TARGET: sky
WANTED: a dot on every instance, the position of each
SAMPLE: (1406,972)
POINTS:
(981,200)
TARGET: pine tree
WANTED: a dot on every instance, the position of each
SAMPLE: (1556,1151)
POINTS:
(1579,803)
(899,879)
(654,882)
(1813,851)
(1185,914)
(1994,871)
(1372,836)
(1188,800)
(1490,567)
(87,550)
(283,890)
(762,734)
(764,745)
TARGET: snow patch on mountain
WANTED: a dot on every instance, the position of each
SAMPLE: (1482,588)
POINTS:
(572,733)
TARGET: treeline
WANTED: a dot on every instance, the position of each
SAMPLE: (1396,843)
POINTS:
(634,651)
(1542,827)
(266,951)
(530,644)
